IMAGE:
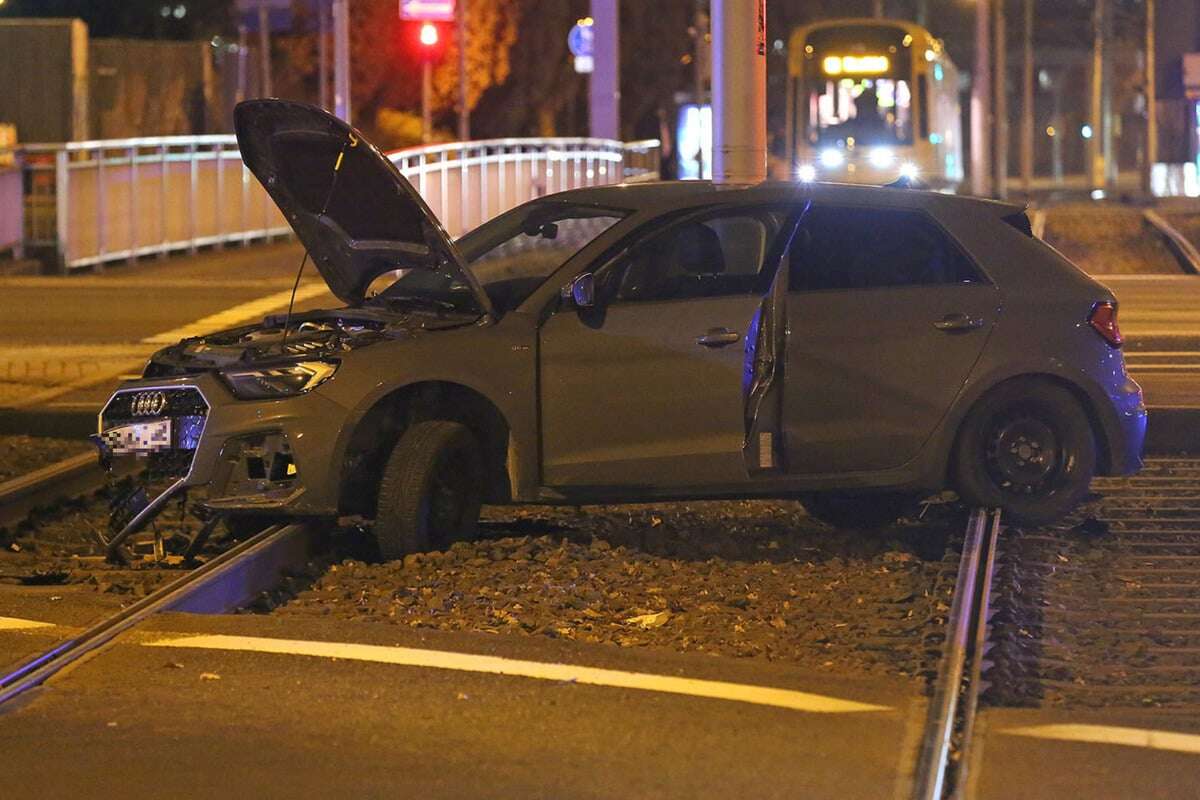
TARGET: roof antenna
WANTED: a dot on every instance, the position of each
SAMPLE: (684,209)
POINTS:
(351,141)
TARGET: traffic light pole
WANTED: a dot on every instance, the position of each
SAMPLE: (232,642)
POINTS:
(464,113)
(426,92)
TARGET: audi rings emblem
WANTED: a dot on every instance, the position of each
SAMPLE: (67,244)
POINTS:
(149,404)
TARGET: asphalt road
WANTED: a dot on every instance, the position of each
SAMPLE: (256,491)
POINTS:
(1160,318)
(166,721)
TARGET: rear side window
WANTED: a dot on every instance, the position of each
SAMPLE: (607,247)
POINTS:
(870,248)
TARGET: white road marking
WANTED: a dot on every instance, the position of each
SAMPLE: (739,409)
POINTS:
(1111,734)
(239,313)
(466,662)
(18,624)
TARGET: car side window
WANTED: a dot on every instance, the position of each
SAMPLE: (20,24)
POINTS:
(869,248)
(713,257)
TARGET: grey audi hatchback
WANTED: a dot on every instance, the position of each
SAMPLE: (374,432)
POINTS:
(853,347)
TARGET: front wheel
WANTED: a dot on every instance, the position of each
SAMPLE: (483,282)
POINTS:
(1026,447)
(863,510)
(431,491)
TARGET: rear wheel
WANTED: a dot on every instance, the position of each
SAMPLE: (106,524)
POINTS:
(866,510)
(1028,448)
(431,491)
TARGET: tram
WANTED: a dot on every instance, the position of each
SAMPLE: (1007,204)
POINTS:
(870,101)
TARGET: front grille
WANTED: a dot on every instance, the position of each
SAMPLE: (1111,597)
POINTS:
(184,406)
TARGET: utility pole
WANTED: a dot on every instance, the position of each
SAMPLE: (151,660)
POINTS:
(464,113)
(981,101)
(1151,101)
(323,53)
(1106,82)
(264,47)
(604,88)
(1027,110)
(1001,88)
(739,91)
(341,59)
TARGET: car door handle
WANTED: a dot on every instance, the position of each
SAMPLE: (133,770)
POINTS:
(718,337)
(958,322)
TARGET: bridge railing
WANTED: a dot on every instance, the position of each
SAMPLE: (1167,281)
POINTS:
(90,203)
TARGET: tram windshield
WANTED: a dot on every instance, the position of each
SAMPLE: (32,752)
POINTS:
(858,86)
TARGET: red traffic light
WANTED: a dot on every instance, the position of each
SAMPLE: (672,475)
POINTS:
(429,35)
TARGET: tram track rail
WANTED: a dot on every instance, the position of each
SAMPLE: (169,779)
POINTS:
(228,582)
(945,743)
(56,483)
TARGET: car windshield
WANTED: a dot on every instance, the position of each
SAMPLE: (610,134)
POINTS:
(510,256)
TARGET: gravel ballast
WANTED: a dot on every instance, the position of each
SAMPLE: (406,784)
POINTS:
(22,454)
(748,579)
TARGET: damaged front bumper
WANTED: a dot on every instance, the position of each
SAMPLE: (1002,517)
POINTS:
(247,457)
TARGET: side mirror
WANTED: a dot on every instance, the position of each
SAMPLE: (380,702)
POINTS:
(581,291)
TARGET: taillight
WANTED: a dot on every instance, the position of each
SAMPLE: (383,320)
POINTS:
(1103,320)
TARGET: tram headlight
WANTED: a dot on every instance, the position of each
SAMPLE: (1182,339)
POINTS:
(807,173)
(882,157)
(831,159)
(909,170)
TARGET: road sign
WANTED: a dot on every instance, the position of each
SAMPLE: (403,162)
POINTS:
(580,40)
(427,10)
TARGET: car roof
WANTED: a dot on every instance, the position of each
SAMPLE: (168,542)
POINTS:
(664,196)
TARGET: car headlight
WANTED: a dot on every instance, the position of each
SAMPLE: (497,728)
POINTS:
(909,170)
(285,381)
(882,157)
(831,159)
(806,173)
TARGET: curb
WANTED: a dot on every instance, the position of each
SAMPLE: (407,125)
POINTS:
(60,424)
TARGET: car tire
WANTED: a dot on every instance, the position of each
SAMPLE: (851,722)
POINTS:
(1028,448)
(431,491)
(857,510)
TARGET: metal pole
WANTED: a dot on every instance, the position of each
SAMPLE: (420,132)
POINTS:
(264,47)
(701,56)
(605,85)
(341,59)
(464,112)
(426,91)
(1110,161)
(877,9)
(1027,111)
(323,53)
(1151,100)
(1095,153)
(1001,89)
(739,90)
(981,101)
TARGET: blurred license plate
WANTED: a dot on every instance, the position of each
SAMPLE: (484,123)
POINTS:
(140,437)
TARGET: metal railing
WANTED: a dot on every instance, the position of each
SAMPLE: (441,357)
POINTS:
(89,203)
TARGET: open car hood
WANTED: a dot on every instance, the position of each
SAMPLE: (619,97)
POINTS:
(356,214)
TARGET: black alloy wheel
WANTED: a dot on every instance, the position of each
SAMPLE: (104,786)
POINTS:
(431,491)
(1026,447)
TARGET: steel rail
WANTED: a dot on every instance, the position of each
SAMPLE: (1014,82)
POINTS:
(65,480)
(228,582)
(955,698)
